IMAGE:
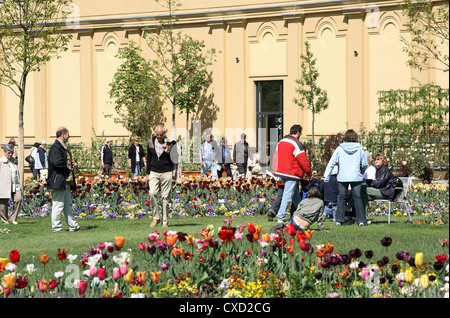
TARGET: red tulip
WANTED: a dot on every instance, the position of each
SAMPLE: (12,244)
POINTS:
(441,258)
(101,272)
(82,286)
(62,255)
(251,227)
(290,229)
(14,256)
(52,284)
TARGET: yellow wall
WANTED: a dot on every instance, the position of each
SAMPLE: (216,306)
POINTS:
(266,36)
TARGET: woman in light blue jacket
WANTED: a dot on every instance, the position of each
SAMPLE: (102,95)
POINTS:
(352,162)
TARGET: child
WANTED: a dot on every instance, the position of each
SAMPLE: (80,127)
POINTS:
(309,210)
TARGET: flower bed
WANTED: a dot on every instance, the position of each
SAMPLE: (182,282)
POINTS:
(128,198)
(232,261)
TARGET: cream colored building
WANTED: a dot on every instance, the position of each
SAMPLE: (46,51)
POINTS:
(356,43)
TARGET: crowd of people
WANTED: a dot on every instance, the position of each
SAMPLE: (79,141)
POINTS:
(350,179)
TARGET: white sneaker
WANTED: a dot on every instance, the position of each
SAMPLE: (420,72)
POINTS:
(361,224)
(14,222)
(338,223)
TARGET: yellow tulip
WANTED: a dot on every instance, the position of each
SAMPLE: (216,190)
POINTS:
(128,277)
(155,276)
(409,277)
(419,259)
(9,281)
(141,277)
(3,263)
(424,281)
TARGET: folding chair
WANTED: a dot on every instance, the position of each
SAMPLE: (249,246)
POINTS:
(401,198)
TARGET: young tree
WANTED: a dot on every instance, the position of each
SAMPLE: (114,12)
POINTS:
(179,64)
(428,24)
(135,92)
(310,95)
(30,35)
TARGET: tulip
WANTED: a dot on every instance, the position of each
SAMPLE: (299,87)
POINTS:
(308,234)
(3,263)
(177,251)
(409,277)
(44,258)
(266,238)
(82,286)
(43,285)
(424,281)
(171,240)
(92,271)
(52,284)
(251,228)
(123,269)
(441,258)
(320,252)
(386,241)
(155,276)
(257,232)
(190,239)
(62,255)
(14,256)
(120,241)
(418,259)
(101,273)
(329,248)
(128,277)
(116,273)
(141,277)
(290,229)
(9,281)
(143,246)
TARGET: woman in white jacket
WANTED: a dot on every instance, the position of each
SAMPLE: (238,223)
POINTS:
(352,162)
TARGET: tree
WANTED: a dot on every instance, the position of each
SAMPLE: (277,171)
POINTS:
(135,92)
(30,35)
(428,25)
(310,95)
(179,64)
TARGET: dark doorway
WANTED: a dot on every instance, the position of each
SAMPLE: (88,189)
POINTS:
(269,118)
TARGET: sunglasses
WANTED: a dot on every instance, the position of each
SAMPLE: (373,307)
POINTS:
(159,135)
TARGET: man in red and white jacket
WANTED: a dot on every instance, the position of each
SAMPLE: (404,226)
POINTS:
(290,165)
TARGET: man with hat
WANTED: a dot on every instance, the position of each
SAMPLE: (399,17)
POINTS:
(106,158)
(9,185)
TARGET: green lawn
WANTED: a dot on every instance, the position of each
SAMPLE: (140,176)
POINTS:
(33,236)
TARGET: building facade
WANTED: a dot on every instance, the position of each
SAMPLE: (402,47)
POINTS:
(357,45)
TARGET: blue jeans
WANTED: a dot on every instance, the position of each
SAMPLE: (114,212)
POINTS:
(290,194)
(297,227)
(342,202)
(209,165)
(137,169)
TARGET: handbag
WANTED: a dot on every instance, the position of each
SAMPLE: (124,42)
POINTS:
(30,160)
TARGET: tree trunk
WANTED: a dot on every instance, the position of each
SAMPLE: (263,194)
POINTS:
(313,143)
(20,155)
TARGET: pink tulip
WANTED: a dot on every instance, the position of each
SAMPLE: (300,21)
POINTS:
(93,271)
(142,246)
(123,269)
(101,273)
(116,273)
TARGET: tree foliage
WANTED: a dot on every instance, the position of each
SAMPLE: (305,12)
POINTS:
(428,24)
(30,35)
(135,92)
(310,95)
(180,63)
